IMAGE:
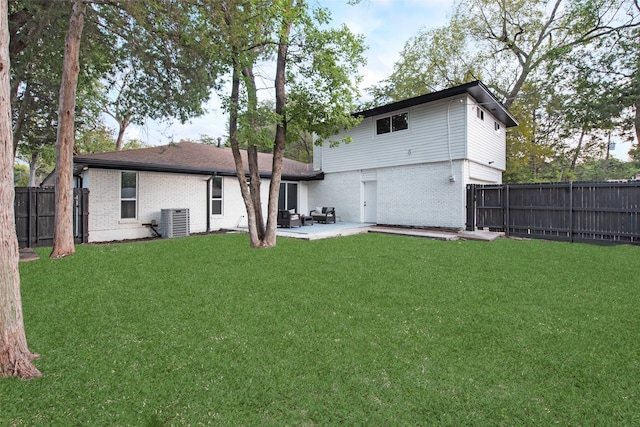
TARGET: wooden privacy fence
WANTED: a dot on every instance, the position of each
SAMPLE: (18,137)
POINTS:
(603,212)
(35,216)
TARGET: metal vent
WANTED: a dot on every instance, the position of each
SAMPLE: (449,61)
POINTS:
(174,222)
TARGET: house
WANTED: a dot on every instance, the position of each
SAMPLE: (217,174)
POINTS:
(129,189)
(408,164)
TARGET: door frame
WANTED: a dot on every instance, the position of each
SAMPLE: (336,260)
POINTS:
(369,213)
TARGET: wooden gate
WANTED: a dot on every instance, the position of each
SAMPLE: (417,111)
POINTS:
(35,216)
(602,212)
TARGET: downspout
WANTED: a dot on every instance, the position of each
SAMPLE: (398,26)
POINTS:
(452,177)
(209,202)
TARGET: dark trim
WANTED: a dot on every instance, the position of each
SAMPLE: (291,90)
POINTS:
(476,89)
(81,162)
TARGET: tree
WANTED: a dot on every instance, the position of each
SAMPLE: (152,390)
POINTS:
(15,358)
(38,28)
(63,229)
(315,88)
(519,48)
(432,60)
(536,33)
(166,63)
(20,175)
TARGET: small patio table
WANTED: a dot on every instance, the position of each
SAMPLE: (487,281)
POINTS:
(306,220)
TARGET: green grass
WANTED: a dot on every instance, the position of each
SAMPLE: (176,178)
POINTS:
(363,330)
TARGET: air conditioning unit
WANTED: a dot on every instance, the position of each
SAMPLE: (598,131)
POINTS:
(174,222)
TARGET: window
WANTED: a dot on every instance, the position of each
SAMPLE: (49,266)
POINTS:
(383,125)
(216,195)
(392,124)
(479,113)
(399,122)
(288,198)
(496,126)
(128,194)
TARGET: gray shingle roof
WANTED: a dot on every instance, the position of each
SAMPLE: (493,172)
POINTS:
(190,157)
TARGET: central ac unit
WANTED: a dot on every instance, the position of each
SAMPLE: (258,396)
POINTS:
(174,222)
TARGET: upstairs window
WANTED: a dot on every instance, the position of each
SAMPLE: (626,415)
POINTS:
(128,194)
(479,113)
(392,123)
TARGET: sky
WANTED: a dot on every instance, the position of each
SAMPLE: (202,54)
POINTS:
(386,25)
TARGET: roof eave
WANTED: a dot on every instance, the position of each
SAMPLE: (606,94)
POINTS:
(476,89)
(80,162)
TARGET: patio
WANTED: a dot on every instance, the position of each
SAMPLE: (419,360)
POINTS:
(327,231)
(324,231)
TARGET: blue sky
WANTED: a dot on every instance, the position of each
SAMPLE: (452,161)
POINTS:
(386,25)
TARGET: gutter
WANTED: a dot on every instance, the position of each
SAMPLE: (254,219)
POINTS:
(154,167)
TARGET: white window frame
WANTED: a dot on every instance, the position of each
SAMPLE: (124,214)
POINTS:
(129,199)
(390,117)
(221,198)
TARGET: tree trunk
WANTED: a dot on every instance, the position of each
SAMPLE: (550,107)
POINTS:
(24,106)
(252,150)
(255,240)
(576,154)
(636,122)
(15,357)
(123,125)
(63,229)
(33,168)
(280,138)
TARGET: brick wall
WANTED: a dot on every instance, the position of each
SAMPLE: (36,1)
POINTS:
(156,191)
(414,195)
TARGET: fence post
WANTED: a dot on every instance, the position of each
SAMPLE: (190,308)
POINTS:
(471,207)
(29,218)
(571,211)
(505,203)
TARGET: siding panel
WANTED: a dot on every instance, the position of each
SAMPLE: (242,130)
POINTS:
(425,141)
(486,144)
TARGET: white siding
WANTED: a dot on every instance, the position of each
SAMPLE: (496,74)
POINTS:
(436,133)
(412,168)
(476,173)
(486,146)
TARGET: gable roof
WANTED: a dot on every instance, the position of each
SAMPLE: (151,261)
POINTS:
(190,157)
(476,89)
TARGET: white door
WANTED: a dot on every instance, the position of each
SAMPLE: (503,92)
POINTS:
(370,202)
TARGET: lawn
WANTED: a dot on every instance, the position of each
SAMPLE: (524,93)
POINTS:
(363,330)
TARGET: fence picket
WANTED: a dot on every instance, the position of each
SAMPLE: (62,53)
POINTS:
(582,212)
(35,216)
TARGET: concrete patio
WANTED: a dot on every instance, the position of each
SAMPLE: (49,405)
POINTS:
(326,231)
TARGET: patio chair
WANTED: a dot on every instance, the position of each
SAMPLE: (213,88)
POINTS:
(324,215)
(288,219)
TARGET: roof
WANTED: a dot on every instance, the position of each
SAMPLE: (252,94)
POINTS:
(191,157)
(476,89)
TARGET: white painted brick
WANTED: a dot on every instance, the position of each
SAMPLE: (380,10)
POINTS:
(157,191)
(413,195)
